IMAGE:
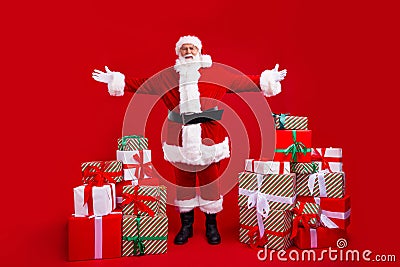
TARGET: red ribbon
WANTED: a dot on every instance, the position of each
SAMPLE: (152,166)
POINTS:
(99,180)
(142,169)
(137,201)
(304,218)
(254,236)
(316,156)
(98,172)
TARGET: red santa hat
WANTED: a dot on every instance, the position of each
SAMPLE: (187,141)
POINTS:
(188,39)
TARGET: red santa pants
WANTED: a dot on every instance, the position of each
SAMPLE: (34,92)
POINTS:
(209,200)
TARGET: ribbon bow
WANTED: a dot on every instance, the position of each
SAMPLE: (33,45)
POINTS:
(256,240)
(320,177)
(295,148)
(305,220)
(137,201)
(125,139)
(281,119)
(141,169)
(99,180)
(98,173)
(316,156)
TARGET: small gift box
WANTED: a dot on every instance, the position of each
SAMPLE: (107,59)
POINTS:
(293,145)
(287,122)
(329,158)
(94,237)
(306,213)
(144,200)
(305,167)
(136,165)
(112,170)
(321,184)
(320,237)
(132,142)
(267,167)
(144,235)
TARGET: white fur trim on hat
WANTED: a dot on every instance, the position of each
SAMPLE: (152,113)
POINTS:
(268,85)
(187,205)
(188,39)
(210,206)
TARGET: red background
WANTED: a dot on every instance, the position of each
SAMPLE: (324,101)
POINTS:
(341,58)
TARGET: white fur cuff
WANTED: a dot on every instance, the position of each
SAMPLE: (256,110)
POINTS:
(210,206)
(268,85)
(187,205)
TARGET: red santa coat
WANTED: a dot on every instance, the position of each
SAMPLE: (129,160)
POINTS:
(203,143)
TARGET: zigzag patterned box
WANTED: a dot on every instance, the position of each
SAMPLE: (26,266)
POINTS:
(158,205)
(144,235)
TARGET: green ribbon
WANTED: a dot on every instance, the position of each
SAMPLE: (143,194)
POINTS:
(282,118)
(295,148)
(126,137)
(138,240)
(314,167)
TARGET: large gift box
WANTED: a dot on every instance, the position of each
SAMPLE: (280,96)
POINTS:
(329,158)
(94,199)
(293,145)
(287,122)
(320,237)
(278,191)
(305,167)
(112,170)
(337,210)
(136,164)
(267,167)
(321,184)
(144,235)
(144,200)
(94,237)
(272,229)
(132,142)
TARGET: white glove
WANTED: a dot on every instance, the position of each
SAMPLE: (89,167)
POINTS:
(270,81)
(114,80)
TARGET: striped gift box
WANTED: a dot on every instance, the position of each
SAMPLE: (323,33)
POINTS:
(277,227)
(144,235)
(287,122)
(334,184)
(158,192)
(280,185)
(132,142)
(307,208)
(305,167)
(113,168)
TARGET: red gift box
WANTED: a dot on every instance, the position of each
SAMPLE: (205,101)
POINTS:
(320,237)
(293,145)
(94,237)
(336,209)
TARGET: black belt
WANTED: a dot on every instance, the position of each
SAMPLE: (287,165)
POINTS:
(212,114)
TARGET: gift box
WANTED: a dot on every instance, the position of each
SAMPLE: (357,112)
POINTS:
(278,191)
(136,164)
(305,167)
(287,122)
(267,167)
(320,237)
(144,235)
(337,210)
(94,199)
(94,237)
(293,145)
(306,213)
(272,230)
(132,142)
(144,200)
(329,158)
(321,184)
(112,170)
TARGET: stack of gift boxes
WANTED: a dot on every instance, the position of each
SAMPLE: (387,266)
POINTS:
(114,215)
(298,197)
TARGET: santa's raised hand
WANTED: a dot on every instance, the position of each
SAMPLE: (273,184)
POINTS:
(270,81)
(114,80)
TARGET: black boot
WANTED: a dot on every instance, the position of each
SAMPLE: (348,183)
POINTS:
(186,230)
(212,234)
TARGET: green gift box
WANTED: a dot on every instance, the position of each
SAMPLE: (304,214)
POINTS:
(153,197)
(132,142)
(287,122)
(144,235)
(278,189)
(277,228)
(321,184)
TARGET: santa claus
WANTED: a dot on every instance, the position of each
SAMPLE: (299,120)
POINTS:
(196,141)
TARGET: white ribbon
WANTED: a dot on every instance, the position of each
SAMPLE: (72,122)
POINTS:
(260,201)
(328,222)
(320,176)
(313,238)
(337,215)
(98,237)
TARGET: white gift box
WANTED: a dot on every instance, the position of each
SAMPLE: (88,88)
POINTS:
(332,155)
(131,172)
(103,200)
(267,167)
